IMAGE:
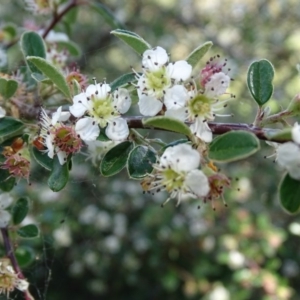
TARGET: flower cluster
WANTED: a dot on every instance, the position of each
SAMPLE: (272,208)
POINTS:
(160,80)
(177,173)
(9,280)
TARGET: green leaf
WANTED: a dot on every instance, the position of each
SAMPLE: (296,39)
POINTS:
(52,73)
(198,53)
(32,44)
(25,256)
(259,79)
(280,135)
(289,193)
(123,81)
(28,231)
(8,87)
(59,175)
(115,159)
(140,162)
(132,39)
(107,15)
(9,127)
(42,158)
(20,210)
(233,146)
(6,183)
(167,123)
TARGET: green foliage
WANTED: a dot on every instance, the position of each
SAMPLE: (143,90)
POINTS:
(59,175)
(28,231)
(32,44)
(8,87)
(289,192)
(197,54)
(20,210)
(25,256)
(167,123)
(7,183)
(10,127)
(140,162)
(52,73)
(260,81)
(132,39)
(233,146)
(123,80)
(115,159)
(42,159)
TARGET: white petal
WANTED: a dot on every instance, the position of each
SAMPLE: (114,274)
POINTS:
(181,158)
(62,157)
(91,90)
(179,114)
(80,105)
(49,145)
(122,100)
(296,133)
(155,58)
(5,200)
(117,130)
(217,85)
(2,112)
(60,116)
(176,97)
(4,218)
(149,106)
(87,128)
(294,172)
(103,90)
(180,70)
(21,284)
(198,183)
(201,130)
(54,37)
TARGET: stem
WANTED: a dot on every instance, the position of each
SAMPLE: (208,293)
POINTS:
(216,128)
(57,16)
(11,255)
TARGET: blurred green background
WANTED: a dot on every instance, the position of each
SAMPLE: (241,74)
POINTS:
(103,239)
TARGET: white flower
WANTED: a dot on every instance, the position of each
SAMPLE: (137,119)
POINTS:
(177,172)
(2,112)
(61,139)
(5,201)
(9,278)
(158,77)
(288,156)
(104,109)
(296,133)
(217,85)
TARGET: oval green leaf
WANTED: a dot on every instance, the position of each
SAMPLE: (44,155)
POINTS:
(197,54)
(232,146)
(140,162)
(25,256)
(32,44)
(9,127)
(6,183)
(123,81)
(115,159)
(259,79)
(167,123)
(289,194)
(59,175)
(52,73)
(28,231)
(8,87)
(132,39)
(20,210)
(42,159)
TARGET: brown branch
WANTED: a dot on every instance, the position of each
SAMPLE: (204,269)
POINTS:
(217,128)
